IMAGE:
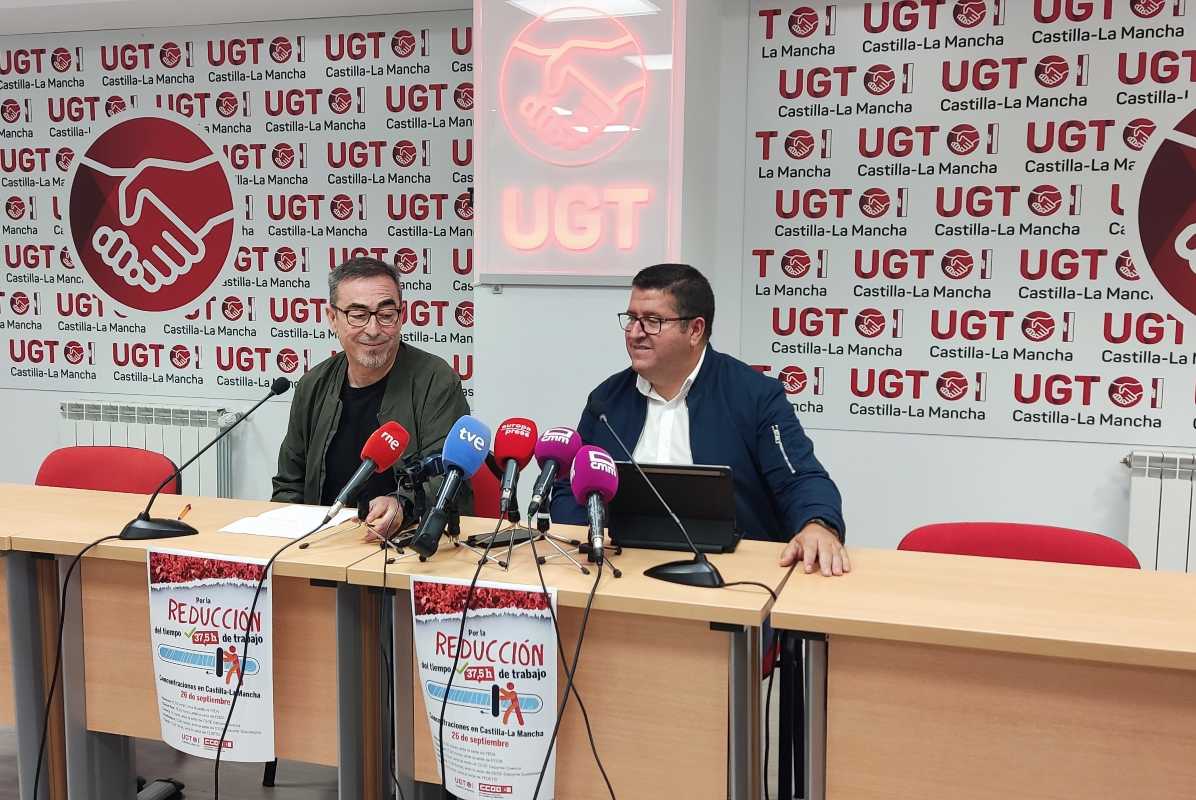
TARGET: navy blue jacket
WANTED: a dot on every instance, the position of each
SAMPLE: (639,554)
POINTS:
(740,418)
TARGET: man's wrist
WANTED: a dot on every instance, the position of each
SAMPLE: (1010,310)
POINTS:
(822,523)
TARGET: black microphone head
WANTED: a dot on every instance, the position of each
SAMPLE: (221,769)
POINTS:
(596,407)
(280,386)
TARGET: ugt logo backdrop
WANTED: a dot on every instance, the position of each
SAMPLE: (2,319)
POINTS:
(151,213)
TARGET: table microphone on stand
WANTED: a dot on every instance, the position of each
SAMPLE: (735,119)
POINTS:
(143,526)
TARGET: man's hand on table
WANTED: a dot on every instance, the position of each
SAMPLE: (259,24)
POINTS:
(385,516)
(814,544)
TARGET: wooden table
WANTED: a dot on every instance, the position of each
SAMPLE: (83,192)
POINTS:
(670,674)
(108,676)
(988,679)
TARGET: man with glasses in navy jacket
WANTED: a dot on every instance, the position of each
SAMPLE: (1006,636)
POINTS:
(683,402)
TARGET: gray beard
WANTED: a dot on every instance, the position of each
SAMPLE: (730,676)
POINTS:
(372,362)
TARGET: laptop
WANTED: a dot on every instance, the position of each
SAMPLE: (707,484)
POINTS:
(702,496)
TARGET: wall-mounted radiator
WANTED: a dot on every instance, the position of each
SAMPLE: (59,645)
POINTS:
(176,432)
(1162,522)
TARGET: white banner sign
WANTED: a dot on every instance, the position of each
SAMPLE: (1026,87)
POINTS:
(199,610)
(502,701)
(974,217)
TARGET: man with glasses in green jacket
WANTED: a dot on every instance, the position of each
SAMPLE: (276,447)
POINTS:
(375,378)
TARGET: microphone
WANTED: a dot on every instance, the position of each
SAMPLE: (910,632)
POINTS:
(146,527)
(514,442)
(594,479)
(699,571)
(464,451)
(379,454)
(554,454)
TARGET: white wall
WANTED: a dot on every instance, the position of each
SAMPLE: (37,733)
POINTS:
(539,350)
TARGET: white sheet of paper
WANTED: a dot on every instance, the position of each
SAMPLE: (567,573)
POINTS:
(289,522)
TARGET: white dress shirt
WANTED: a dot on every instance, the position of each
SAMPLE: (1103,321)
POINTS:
(665,438)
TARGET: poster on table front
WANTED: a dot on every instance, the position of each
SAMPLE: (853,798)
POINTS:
(502,703)
(199,612)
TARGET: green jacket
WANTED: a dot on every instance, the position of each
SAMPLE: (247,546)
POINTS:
(423,394)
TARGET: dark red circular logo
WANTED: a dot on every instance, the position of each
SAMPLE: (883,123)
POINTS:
(227,104)
(280,49)
(1126,267)
(464,206)
(180,356)
(1137,132)
(15,207)
(464,314)
(115,105)
(958,264)
(963,139)
(232,308)
(1045,200)
(1147,8)
(19,302)
(64,255)
(969,13)
(406,260)
(952,385)
(572,89)
(870,322)
(1051,71)
(170,54)
(1126,392)
(61,59)
(793,379)
(340,100)
(880,79)
(64,157)
(404,152)
(1038,326)
(10,110)
(403,43)
(799,144)
(285,259)
(74,352)
(288,360)
(795,263)
(1167,213)
(342,206)
(283,155)
(803,21)
(151,213)
(463,96)
(874,203)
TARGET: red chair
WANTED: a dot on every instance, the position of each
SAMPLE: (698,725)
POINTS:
(1020,541)
(110,469)
(485,487)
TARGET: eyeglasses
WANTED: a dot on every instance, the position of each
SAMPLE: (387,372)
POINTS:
(388,317)
(649,325)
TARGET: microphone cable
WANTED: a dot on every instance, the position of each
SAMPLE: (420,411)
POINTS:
(581,635)
(41,749)
(257,593)
(388,664)
(457,658)
(570,672)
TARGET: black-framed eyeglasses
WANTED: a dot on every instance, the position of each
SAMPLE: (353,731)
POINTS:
(649,325)
(388,317)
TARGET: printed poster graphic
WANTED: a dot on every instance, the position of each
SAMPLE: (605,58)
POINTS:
(502,705)
(199,610)
(975,217)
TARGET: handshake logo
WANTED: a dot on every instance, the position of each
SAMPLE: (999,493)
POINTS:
(151,214)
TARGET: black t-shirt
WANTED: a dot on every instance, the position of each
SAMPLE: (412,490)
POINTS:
(359,419)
